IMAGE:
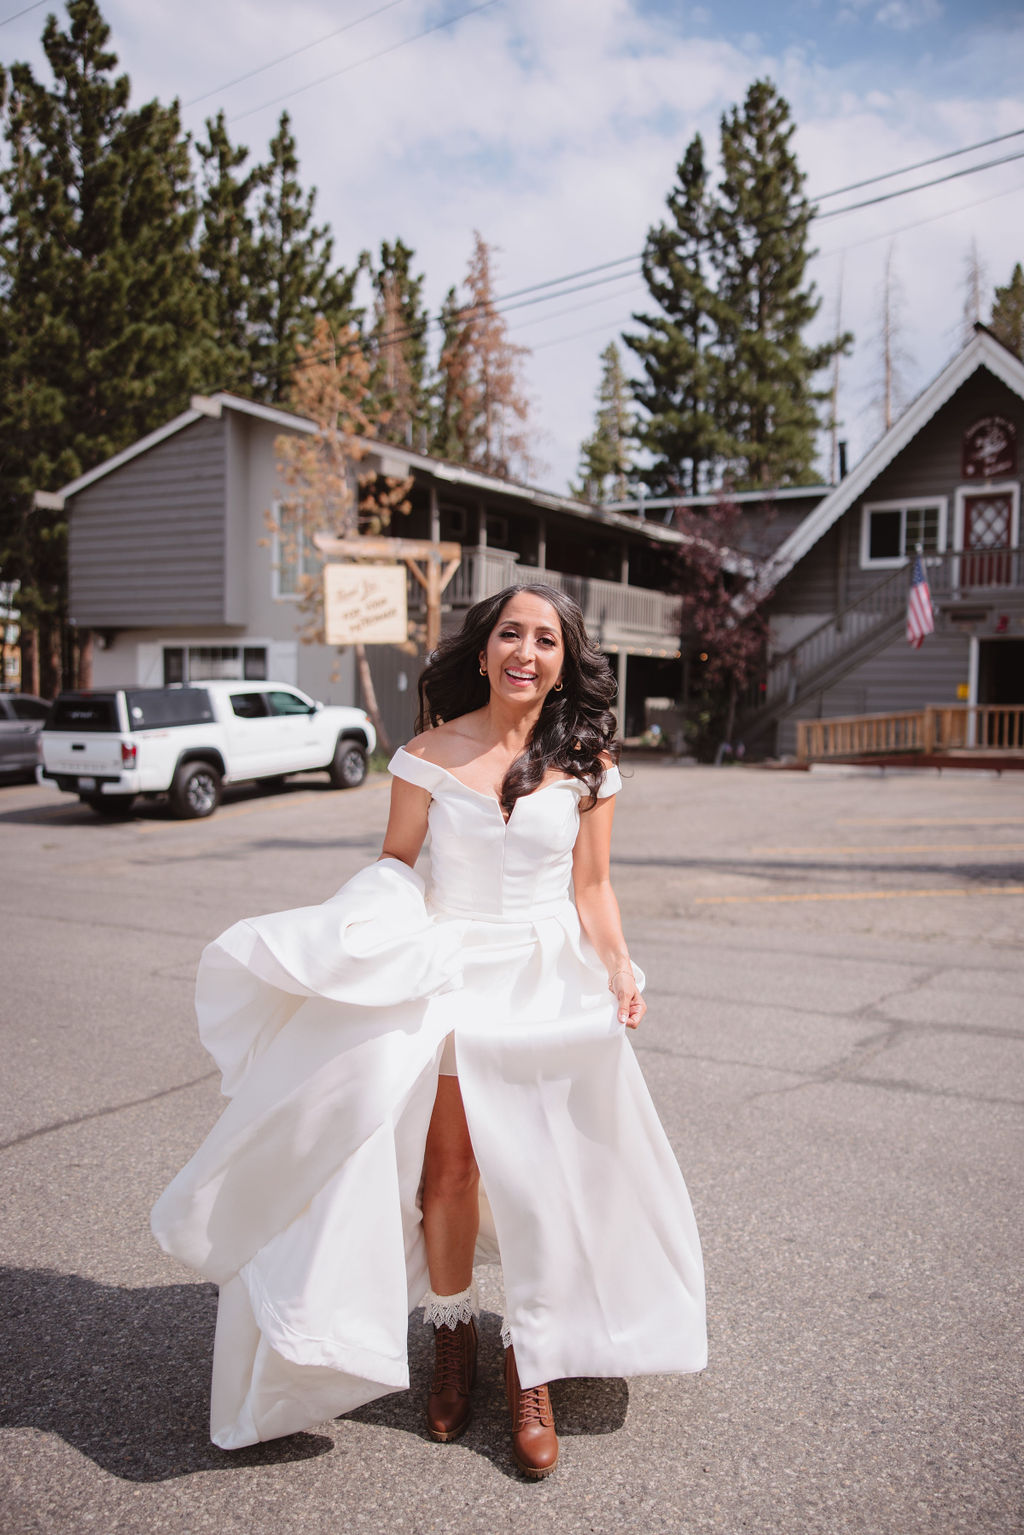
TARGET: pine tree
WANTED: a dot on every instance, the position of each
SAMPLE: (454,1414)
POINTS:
(895,361)
(1007,322)
(295,279)
(327,493)
(679,392)
(482,414)
(100,285)
(975,283)
(760,254)
(605,460)
(399,339)
(227,251)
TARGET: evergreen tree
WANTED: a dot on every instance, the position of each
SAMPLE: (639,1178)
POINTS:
(760,229)
(399,339)
(682,378)
(605,461)
(227,251)
(1007,322)
(98,278)
(295,278)
(482,416)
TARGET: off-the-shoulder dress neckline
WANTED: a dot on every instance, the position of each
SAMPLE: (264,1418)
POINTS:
(555,783)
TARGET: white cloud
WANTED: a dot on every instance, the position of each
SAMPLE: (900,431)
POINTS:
(555,129)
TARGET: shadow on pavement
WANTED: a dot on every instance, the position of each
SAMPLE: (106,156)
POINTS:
(121,1375)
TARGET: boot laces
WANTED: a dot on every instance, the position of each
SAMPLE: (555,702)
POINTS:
(450,1358)
(534,1408)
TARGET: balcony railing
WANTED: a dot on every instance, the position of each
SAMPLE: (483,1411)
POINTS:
(617,615)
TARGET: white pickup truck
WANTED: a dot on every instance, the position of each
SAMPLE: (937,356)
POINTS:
(110,745)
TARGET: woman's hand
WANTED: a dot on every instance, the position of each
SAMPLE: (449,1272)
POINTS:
(631,1004)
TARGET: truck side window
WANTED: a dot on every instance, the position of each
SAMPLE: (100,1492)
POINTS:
(288,703)
(249,706)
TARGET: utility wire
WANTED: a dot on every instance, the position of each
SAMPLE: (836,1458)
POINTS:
(884,197)
(284,57)
(25,12)
(919,165)
(369,59)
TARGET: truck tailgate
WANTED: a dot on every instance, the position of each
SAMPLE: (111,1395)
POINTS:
(67,752)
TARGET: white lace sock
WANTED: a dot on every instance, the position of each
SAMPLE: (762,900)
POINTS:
(506,1334)
(449,1310)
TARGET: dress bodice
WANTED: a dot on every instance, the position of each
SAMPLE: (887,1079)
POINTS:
(484,866)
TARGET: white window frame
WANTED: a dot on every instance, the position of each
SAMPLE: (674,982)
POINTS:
(213,644)
(1005,487)
(904,504)
(278,512)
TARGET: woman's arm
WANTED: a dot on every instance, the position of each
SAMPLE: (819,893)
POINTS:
(599,910)
(407,822)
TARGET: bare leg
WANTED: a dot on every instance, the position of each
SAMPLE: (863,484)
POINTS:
(451,1212)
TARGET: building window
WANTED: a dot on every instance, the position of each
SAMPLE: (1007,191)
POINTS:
(209,663)
(892,530)
(296,559)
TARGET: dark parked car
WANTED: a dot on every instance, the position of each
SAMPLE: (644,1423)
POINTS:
(21,720)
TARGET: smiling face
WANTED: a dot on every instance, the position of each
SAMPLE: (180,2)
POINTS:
(525,653)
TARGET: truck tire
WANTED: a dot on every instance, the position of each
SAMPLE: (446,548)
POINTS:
(195,792)
(113,806)
(348,770)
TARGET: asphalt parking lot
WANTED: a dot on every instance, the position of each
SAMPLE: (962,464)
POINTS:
(835,1042)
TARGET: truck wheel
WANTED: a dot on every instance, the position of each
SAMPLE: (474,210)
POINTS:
(114,806)
(348,769)
(195,792)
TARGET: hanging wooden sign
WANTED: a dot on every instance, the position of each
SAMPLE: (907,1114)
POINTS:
(365,604)
(989,449)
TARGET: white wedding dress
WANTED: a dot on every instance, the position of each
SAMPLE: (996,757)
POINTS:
(328,1024)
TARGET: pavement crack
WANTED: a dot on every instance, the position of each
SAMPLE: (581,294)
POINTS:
(115,1108)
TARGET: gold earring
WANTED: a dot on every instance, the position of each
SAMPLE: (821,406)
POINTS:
(483,671)
(559,686)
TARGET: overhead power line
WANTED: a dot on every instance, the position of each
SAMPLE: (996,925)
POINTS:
(919,165)
(884,197)
(381,53)
(24,12)
(283,58)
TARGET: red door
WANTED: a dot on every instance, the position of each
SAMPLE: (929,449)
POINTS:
(987,532)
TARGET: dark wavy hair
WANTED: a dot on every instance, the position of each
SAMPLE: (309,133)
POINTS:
(576,725)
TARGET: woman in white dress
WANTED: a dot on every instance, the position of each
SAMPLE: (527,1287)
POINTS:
(421,1075)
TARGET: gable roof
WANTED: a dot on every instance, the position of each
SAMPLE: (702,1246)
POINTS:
(213,406)
(982,351)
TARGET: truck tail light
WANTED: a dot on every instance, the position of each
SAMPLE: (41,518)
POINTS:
(129,752)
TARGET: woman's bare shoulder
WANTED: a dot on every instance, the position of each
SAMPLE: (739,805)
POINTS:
(445,744)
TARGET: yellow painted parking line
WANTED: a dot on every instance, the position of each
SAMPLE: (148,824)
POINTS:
(898,847)
(932,820)
(849,895)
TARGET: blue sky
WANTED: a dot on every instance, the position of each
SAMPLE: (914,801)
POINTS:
(554,126)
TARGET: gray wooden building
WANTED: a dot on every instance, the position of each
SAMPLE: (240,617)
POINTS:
(175,571)
(945,479)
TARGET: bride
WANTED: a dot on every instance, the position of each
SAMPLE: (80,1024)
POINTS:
(421,1075)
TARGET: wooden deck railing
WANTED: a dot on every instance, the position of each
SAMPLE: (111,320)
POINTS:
(935,729)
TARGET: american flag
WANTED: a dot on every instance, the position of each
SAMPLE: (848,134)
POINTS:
(919,607)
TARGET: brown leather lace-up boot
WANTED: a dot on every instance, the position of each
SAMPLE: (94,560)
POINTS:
(534,1441)
(448,1406)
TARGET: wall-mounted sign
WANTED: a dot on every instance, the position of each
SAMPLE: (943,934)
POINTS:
(365,604)
(990,449)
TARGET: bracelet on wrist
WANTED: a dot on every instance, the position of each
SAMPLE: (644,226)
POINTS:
(622,970)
